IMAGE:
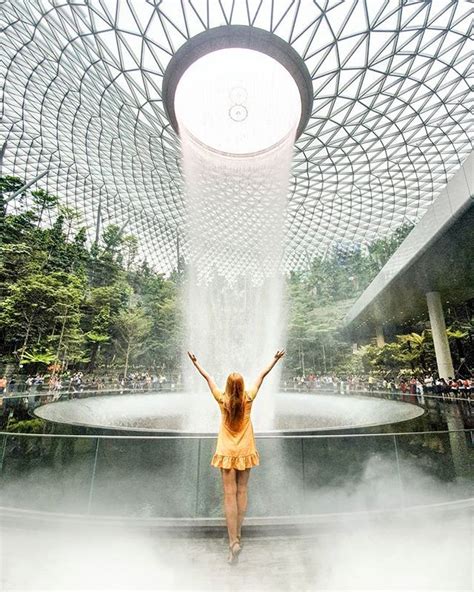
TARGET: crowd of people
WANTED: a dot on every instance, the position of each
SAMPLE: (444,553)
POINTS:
(430,384)
(79,382)
(21,395)
(72,385)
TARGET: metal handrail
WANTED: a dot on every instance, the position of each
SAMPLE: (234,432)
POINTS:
(129,390)
(263,436)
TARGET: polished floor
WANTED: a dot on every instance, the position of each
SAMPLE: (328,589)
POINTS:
(406,552)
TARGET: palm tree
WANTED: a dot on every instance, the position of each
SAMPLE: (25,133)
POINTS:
(417,349)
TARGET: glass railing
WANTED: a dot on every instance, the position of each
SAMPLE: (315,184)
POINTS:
(171,477)
(21,404)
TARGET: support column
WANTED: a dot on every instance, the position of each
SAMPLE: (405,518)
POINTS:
(440,340)
(462,462)
(380,337)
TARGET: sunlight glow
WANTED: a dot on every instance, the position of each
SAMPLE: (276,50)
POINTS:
(238,101)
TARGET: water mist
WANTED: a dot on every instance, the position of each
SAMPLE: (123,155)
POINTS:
(237,152)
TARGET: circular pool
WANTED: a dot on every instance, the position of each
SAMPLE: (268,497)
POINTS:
(198,413)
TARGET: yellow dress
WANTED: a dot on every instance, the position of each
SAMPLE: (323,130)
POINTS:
(236,449)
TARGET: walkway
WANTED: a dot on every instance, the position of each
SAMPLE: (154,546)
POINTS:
(406,554)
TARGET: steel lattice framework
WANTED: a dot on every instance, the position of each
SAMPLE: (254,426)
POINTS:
(81,104)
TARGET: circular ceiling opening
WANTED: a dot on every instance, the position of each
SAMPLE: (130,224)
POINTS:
(238,90)
(237,101)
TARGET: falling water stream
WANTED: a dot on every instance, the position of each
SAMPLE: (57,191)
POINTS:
(237,150)
(234,294)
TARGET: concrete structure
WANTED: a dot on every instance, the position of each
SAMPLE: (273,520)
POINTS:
(379,335)
(440,340)
(433,266)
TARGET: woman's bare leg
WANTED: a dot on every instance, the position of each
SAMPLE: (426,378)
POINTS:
(229,481)
(242,482)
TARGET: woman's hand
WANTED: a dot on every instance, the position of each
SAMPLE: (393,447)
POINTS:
(279,354)
(210,381)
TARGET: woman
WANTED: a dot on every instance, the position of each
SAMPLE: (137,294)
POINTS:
(236,453)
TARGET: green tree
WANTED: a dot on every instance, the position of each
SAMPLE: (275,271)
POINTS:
(44,201)
(102,308)
(8,185)
(417,350)
(132,328)
(39,307)
(60,298)
(411,354)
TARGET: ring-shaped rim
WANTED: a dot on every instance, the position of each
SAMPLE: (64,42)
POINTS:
(242,37)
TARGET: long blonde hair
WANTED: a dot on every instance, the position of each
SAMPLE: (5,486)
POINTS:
(234,400)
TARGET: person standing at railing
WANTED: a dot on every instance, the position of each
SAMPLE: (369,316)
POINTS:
(12,385)
(403,388)
(428,384)
(3,405)
(371,383)
(236,452)
(29,383)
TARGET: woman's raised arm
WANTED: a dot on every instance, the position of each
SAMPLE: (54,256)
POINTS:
(210,381)
(267,370)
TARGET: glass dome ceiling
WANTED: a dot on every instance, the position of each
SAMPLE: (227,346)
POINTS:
(81,105)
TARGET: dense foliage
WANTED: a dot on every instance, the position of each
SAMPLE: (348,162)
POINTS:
(412,354)
(320,297)
(66,305)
